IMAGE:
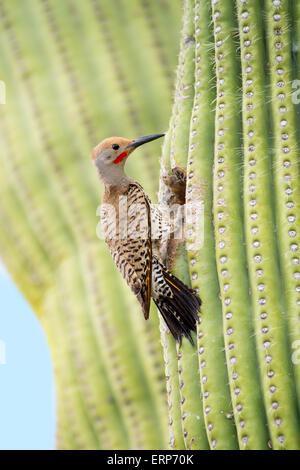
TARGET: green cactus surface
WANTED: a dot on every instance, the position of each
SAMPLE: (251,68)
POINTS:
(242,169)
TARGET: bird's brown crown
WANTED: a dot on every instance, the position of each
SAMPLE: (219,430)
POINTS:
(108,143)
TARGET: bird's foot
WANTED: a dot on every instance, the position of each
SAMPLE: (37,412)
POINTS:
(176,184)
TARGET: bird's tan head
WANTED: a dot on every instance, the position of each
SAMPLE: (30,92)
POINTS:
(110,155)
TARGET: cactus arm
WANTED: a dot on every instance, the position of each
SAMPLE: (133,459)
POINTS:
(259,227)
(79,424)
(63,439)
(81,235)
(192,419)
(131,119)
(24,184)
(134,65)
(21,162)
(176,440)
(149,350)
(190,394)
(238,328)
(89,366)
(34,99)
(29,271)
(184,89)
(295,13)
(156,92)
(187,395)
(202,265)
(158,16)
(287,190)
(21,255)
(118,347)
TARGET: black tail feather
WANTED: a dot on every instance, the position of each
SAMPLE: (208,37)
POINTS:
(180,311)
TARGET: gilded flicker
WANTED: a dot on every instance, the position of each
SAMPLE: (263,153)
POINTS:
(126,222)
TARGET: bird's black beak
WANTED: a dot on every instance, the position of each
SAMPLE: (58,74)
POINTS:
(143,140)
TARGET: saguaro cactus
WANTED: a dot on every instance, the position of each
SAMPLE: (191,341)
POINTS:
(235,71)
(73,70)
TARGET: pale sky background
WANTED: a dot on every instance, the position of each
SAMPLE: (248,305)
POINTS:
(27,392)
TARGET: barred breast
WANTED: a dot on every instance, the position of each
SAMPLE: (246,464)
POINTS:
(126,226)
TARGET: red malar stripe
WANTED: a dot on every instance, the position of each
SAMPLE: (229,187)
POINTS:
(121,157)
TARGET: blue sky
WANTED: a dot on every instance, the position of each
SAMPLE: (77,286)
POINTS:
(27,392)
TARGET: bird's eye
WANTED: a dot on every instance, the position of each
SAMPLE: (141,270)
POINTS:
(115,146)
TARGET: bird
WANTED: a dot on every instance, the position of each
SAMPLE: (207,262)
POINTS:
(126,218)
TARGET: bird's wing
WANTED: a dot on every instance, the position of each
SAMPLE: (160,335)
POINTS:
(131,247)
